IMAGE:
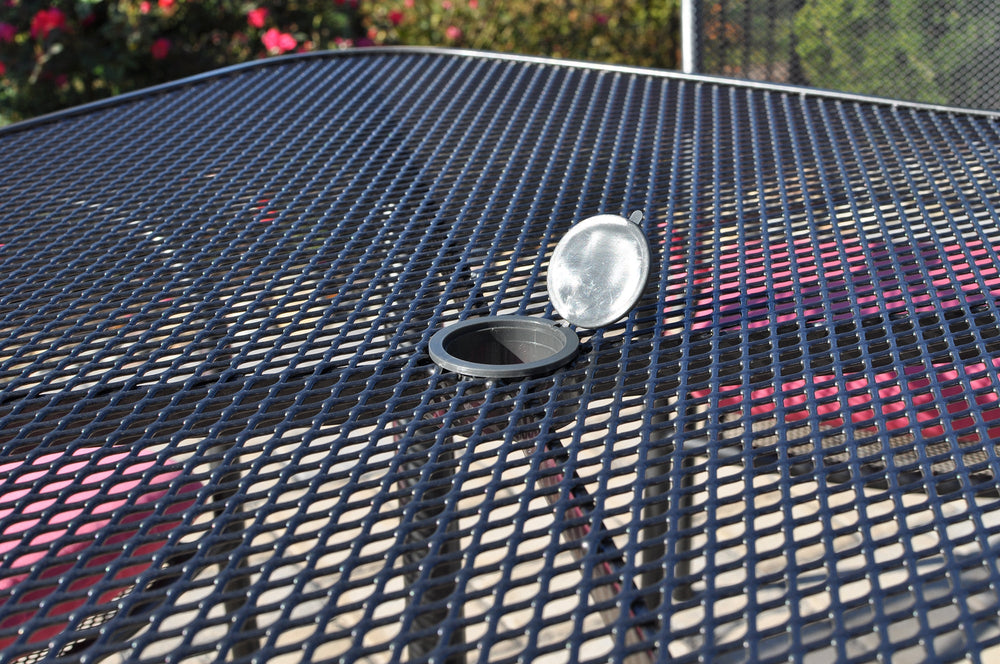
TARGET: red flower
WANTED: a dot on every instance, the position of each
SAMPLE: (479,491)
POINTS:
(3,69)
(45,21)
(396,16)
(144,7)
(257,16)
(602,19)
(165,4)
(277,42)
(453,33)
(160,48)
(7,32)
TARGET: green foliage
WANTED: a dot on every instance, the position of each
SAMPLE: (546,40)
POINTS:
(56,53)
(616,31)
(940,52)
(741,39)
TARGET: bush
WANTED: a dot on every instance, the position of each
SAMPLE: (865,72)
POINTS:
(942,52)
(56,53)
(616,31)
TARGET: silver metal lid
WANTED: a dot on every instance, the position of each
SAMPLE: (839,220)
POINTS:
(599,269)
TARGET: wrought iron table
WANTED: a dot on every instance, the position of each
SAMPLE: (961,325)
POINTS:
(223,437)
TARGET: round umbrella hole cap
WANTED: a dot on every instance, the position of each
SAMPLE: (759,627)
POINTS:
(599,270)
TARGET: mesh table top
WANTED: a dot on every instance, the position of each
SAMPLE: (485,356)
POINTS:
(223,438)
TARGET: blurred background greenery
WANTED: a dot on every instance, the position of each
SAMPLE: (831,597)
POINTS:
(934,51)
(58,53)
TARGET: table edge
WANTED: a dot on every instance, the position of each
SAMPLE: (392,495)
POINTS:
(230,70)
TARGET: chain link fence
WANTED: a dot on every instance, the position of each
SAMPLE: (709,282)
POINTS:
(934,51)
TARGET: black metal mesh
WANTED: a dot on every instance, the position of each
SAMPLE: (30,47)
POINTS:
(936,52)
(220,421)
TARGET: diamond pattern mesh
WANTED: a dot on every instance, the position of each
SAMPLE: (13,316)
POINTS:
(936,52)
(223,439)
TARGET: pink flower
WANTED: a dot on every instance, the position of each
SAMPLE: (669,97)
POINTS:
(473,4)
(446,4)
(601,19)
(165,4)
(256,17)
(408,4)
(144,7)
(7,32)
(396,16)
(453,33)
(45,21)
(160,48)
(277,42)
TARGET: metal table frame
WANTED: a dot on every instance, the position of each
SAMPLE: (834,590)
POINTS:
(786,451)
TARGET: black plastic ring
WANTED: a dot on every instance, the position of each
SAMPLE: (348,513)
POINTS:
(503,347)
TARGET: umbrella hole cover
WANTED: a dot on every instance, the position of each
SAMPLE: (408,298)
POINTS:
(597,273)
